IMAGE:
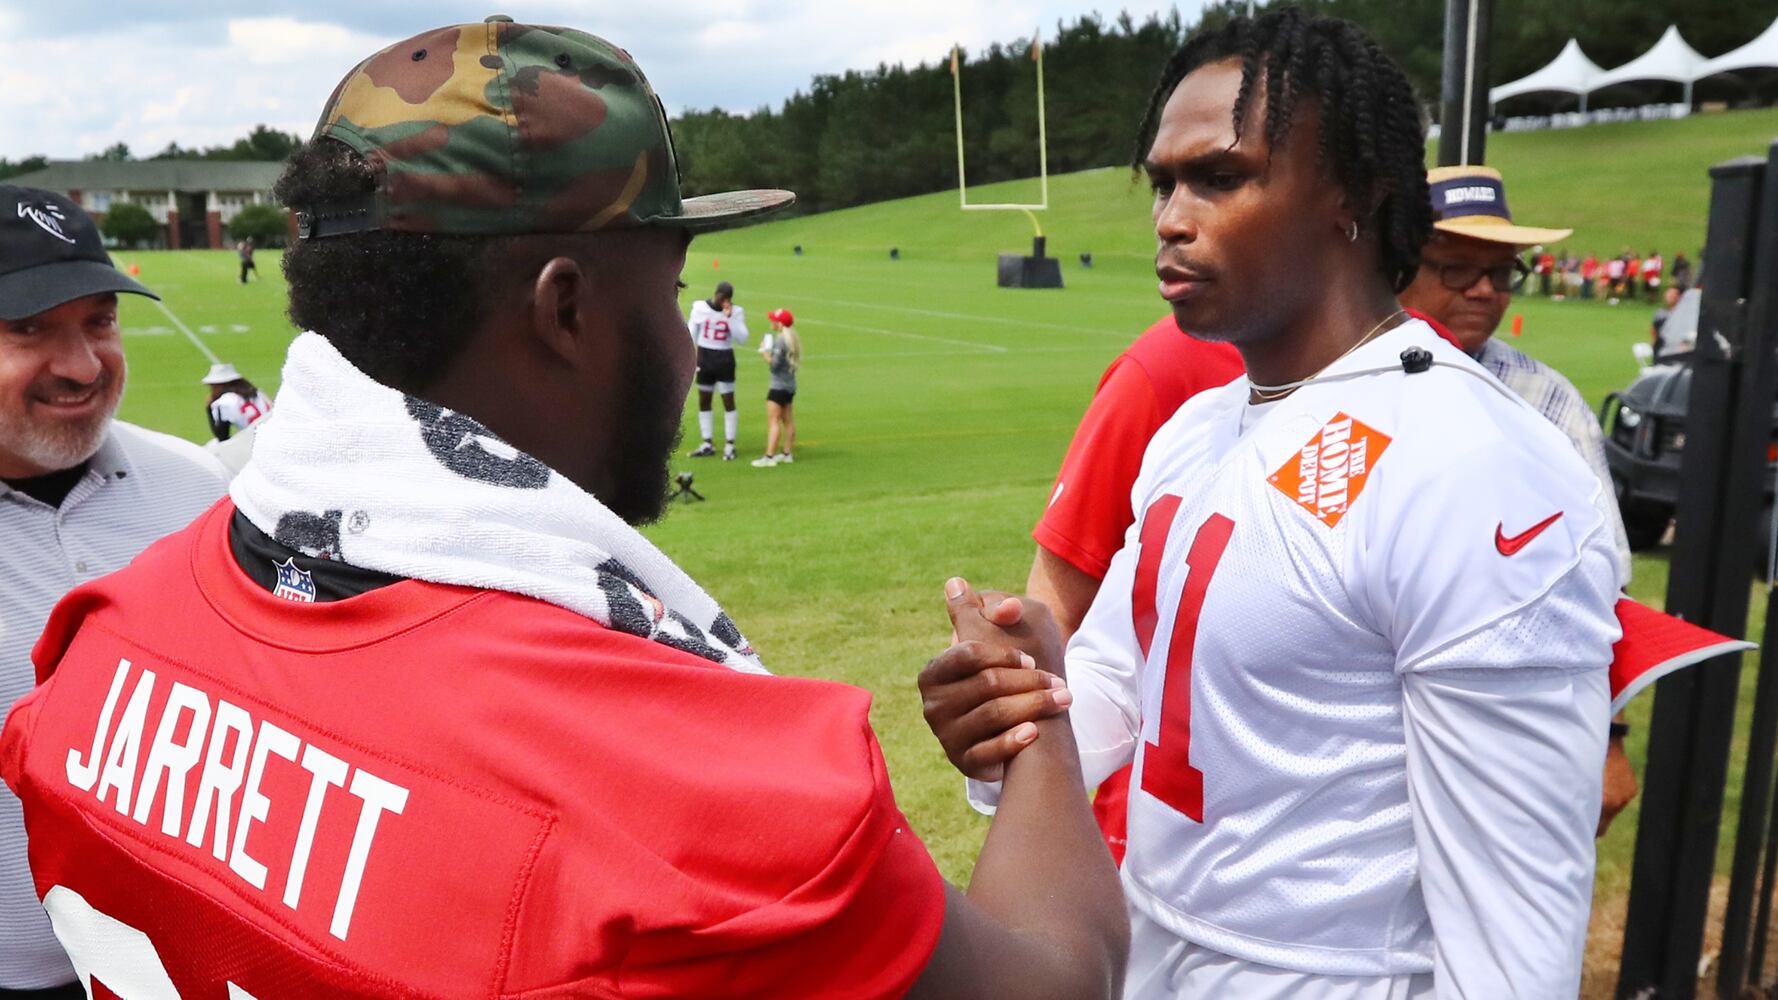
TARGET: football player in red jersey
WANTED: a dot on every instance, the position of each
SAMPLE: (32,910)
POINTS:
(417,711)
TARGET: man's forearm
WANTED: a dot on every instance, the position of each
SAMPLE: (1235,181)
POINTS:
(1044,845)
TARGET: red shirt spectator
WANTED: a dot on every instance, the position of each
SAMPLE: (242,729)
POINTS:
(1089,509)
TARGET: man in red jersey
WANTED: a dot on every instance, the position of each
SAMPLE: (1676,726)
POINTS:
(1089,509)
(418,712)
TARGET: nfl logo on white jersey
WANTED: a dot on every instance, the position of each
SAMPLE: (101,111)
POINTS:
(294,584)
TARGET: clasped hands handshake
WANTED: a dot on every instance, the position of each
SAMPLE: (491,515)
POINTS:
(985,696)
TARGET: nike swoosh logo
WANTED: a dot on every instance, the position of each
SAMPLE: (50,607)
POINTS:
(1511,546)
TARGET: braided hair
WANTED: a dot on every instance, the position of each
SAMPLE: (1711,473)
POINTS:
(1371,139)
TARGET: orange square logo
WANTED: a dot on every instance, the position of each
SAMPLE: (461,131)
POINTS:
(1326,475)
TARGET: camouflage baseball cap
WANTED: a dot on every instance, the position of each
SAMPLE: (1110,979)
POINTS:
(505,129)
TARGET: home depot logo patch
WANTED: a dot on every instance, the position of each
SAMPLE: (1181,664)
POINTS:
(1329,472)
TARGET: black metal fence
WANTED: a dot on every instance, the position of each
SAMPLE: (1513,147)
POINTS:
(1729,426)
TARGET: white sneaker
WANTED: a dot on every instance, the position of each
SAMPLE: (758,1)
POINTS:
(785,459)
(764,462)
(703,451)
(728,453)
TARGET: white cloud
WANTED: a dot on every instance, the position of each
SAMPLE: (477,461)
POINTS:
(283,41)
(183,71)
(729,36)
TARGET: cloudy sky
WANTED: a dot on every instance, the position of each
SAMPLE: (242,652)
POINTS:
(79,75)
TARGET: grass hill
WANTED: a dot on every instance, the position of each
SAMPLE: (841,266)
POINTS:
(1639,184)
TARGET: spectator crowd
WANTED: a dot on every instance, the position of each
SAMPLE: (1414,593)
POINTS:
(1559,273)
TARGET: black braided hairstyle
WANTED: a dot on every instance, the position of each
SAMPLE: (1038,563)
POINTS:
(1372,141)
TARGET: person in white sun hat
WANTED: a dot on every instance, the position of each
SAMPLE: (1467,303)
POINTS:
(235,408)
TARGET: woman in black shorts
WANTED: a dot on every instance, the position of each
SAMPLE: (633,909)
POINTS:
(783,351)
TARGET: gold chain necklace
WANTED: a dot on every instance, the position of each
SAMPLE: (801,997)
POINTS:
(1268,393)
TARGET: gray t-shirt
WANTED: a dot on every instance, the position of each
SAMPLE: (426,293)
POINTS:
(783,375)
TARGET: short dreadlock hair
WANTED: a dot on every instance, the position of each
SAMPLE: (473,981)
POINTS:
(1372,141)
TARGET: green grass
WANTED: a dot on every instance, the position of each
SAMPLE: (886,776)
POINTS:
(934,407)
(1642,185)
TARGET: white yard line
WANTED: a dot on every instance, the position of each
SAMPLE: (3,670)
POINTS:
(177,322)
(872,356)
(977,317)
(983,348)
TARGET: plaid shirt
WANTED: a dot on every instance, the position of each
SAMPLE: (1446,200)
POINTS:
(1560,402)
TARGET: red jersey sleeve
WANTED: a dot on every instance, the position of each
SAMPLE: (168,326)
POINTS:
(749,823)
(15,733)
(1089,508)
(862,924)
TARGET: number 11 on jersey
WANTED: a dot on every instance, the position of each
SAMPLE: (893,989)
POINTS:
(1167,773)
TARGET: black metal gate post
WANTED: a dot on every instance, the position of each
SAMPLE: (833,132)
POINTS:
(1463,114)
(1719,495)
(1739,967)
(1752,436)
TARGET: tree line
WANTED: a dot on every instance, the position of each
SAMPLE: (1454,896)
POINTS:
(875,134)
(264,145)
(871,135)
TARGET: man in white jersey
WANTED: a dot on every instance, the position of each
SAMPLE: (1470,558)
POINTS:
(1356,642)
(717,324)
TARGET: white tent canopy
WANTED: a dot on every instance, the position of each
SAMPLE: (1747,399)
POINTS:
(1571,72)
(1670,59)
(1761,53)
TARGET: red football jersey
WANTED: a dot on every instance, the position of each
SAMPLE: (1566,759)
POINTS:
(437,791)
(1089,508)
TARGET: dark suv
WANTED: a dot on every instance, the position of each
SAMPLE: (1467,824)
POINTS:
(1645,437)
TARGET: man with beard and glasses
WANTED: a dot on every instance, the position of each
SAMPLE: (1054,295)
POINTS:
(417,711)
(80,493)
(1357,639)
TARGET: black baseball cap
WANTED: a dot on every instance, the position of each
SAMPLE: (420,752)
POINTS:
(50,253)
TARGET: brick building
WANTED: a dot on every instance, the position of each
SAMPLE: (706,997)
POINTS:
(193,199)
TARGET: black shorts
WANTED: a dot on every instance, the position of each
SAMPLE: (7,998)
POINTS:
(780,396)
(716,368)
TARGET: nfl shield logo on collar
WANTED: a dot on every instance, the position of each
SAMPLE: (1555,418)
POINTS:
(294,584)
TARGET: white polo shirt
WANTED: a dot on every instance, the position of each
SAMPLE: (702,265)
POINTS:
(140,486)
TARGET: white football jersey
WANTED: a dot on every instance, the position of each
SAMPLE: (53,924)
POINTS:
(714,331)
(239,412)
(1356,643)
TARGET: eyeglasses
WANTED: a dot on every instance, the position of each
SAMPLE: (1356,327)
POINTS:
(1462,277)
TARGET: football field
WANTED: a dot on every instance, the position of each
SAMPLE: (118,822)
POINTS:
(933,411)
